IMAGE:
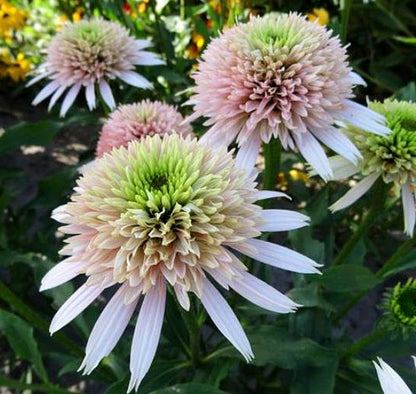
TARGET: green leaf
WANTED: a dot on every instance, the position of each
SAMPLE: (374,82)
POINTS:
(24,133)
(276,346)
(189,388)
(406,40)
(20,337)
(302,242)
(407,262)
(309,297)
(348,278)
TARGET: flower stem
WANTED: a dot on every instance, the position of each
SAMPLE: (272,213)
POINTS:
(272,155)
(194,334)
(32,317)
(391,263)
(375,211)
(364,342)
(345,16)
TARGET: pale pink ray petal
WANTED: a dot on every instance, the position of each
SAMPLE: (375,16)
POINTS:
(141,44)
(356,79)
(90,96)
(38,78)
(182,296)
(341,168)
(262,294)
(277,256)
(247,154)
(409,209)
(225,320)
(106,94)
(148,59)
(108,329)
(135,79)
(46,92)
(69,99)
(312,151)
(61,273)
(336,140)
(266,194)
(59,92)
(147,333)
(282,220)
(355,192)
(74,305)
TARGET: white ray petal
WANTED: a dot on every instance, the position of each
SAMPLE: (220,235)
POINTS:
(277,256)
(69,99)
(364,118)
(108,329)
(147,333)
(409,209)
(341,168)
(266,194)
(355,193)
(135,79)
(46,92)
(90,96)
(339,143)
(225,319)
(313,152)
(390,380)
(38,78)
(262,294)
(182,296)
(247,153)
(106,94)
(356,79)
(74,305)
(282,220)
(55,97)
(148,59)
(141,44)
(60,215)
(61,273)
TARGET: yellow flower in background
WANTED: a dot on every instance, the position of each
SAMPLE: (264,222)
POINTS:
(11,18)
(15,69)
(320,15)
(196,45)
(78,14)
(61,20)
(143,6)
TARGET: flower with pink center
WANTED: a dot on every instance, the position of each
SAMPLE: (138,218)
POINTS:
(167,212)
(280,77)
(135,121)
(90,53)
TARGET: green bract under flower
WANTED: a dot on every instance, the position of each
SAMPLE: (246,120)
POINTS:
(394,154)
(399,306)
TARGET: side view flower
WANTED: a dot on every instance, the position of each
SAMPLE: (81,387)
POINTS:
(135,121)
(390,380)
(167,211)
(391,158)
(90,53)
(280,77)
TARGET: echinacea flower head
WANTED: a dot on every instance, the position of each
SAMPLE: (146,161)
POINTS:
(167,211)
(89,54)
(391,157)
(135,121)
(399,307)
(390,380)
(280,77)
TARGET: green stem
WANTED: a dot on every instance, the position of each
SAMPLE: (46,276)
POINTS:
(364,342)
(47,388)
(272,153)
(32,317)
(375,211)
(194,335)
(391,263)
(345,16)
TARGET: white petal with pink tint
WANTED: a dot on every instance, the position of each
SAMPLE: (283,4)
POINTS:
(409,209)
(282,220)
(106,94)
(147,333)
(69,99)
(74,305)
(61,273)
(46,92)
(108,329)
(225,320)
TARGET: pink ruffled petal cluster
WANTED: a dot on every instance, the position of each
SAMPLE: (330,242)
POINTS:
(135,121)
(283,77)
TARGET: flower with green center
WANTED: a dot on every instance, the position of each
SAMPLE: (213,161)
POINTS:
(280,76)
(167,211)
(392,158)
(90,53)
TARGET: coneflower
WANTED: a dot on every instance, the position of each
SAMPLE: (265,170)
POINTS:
(391,158)
(164,212)
(280,77)
(135,121)
(89,54)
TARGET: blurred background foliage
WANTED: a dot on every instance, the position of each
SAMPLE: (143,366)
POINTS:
(326,346)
